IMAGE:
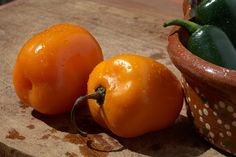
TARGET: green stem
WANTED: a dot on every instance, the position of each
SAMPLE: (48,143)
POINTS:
(98,95)
(189,25)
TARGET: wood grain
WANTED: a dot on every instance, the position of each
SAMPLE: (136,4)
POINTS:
(120,26)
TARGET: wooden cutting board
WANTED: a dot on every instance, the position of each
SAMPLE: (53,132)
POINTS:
(119,26)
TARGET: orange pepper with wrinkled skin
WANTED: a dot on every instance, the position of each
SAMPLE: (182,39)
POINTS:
(52,68)
(133,95)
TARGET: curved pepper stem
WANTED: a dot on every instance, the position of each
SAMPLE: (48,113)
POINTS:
(98,95)
(189,25)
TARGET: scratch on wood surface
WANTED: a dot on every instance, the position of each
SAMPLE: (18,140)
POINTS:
(31,126)
(5,83)
(72,138)
(14,134)
(158,56)
(71,154)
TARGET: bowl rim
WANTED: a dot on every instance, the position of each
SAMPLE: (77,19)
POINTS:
(191,64)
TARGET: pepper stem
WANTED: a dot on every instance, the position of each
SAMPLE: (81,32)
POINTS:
(98,95)
(189,25)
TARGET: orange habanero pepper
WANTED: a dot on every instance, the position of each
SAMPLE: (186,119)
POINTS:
(133,95)
(53,67)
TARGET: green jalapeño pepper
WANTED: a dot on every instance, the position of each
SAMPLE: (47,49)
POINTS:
(209,43)
(220,13)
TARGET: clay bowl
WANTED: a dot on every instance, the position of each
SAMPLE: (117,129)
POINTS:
(186,8)
(210,93)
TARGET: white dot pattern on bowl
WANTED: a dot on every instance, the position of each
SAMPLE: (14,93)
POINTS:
(222,144)
(219,121)
(197,90)
(234,114)
(202,95)
(216,106)
(221,134)
(192,114)
(208,126)
(221,104)
(188,99)
(234,123)
(201,119)
(227,126)
(212,135)
(200,112)
(214,113)
(206,105)
(213,119)
(230,108)
(205,111)
(228,133)
(187,84)
(211,140)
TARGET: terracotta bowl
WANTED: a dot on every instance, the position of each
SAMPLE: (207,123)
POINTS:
(210,93)
(186,8)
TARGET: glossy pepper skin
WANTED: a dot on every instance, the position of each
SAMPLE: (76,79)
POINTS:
(53,67)
(220,13)
(141,95)
(209,43)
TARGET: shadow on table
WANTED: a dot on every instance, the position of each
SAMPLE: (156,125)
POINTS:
(180,140)
(62,122)
(4,1)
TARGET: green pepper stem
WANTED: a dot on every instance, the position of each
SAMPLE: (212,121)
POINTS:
(98,95)
(189,25)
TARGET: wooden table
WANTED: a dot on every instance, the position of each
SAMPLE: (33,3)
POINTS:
(119,26)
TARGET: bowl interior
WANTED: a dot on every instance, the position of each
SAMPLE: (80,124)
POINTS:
(190,64)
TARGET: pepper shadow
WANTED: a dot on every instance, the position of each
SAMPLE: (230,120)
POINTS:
(62,122)
(178,140)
